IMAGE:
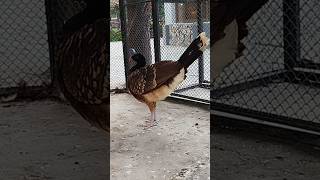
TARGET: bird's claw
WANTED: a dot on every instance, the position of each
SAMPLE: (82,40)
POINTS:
(149,125)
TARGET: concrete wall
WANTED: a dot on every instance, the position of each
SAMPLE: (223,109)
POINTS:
(182,34)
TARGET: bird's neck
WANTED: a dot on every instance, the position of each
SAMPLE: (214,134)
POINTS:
(89,15)
(137,66)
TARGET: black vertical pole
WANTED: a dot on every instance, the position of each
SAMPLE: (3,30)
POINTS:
(200,29)
(156,29)
(124,34)
(50,28)
(291,33)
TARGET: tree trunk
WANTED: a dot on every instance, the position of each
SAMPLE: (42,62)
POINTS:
(139,28)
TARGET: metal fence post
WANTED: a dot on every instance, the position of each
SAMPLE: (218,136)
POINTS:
(291,33)
(124,34)
(200,29)
(156,29)
(51,42)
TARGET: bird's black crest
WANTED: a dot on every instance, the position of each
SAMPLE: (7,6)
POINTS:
(139,58)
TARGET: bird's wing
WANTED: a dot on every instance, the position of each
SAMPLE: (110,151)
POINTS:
(83,63)
(151,77)
(83,72)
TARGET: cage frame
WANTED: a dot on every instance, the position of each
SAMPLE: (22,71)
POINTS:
(296,71)
(157,52)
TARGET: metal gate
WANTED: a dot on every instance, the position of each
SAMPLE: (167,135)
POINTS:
(277,80)
(173,25)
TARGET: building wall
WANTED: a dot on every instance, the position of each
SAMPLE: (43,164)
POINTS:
(182,34)
(180,26)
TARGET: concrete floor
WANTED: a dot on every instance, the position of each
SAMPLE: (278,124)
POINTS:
(250,156)
(177,148)
(48,140)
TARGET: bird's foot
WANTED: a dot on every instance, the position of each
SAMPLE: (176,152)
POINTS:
(150,124)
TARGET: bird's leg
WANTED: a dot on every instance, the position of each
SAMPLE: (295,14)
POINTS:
(152,120)
(154,117)
(154,114)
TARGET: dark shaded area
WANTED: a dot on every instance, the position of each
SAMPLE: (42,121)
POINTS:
(47,139)
(245,154)
(223,12)
(95,9)
(44,129)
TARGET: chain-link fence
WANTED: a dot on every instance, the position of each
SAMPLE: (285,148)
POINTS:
(58,12)
(162,30)
(30,33)
(130,13)
(117,75)
(24,50)
(277,78)
(180,23)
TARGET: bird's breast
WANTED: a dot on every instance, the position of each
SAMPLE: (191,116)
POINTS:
(165,90)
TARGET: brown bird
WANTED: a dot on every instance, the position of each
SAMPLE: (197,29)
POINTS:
(83,69)
(229,19)
(155,82)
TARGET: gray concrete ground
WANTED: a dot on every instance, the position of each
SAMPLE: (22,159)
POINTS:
(239,155)
(177,148)
(48,140)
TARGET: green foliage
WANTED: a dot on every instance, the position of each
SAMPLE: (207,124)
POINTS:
(115,35)
(161,11)
(114,9)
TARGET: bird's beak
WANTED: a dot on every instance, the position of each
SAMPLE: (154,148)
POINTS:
(131,53)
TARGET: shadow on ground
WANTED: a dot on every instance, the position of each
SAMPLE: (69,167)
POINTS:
(48,140)
(245,155)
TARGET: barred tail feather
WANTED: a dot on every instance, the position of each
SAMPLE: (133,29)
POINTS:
(194,50)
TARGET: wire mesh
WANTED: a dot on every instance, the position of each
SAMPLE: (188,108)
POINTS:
(310,34)
(135,12)
(117,56)
(24,50)
(277,76)
(181,23)
(117,75)
(58,13)
(31,32)
(177,25)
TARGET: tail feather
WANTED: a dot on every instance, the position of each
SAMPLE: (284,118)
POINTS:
(194,51)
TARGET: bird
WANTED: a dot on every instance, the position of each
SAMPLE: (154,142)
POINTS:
(152,83)
(229,19)
(82,65)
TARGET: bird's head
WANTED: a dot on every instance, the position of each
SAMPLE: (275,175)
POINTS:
(94,10)
(136,59)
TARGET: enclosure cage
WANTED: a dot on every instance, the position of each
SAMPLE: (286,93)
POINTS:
(30,34)
(162,30)
(24,59)
(276,81)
